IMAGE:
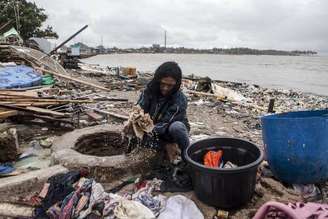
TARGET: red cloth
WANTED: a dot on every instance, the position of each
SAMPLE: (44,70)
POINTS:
(213,158)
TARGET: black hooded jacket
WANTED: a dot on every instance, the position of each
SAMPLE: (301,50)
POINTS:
(165,110)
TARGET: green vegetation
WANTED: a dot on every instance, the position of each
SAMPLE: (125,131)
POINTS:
(26,17)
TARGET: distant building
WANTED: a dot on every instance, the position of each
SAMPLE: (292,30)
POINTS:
(94,51)
(108,50)
(44,44)
(101,49)
(84,49)
(156,48)
(75,50)
(64,49)
(11,36)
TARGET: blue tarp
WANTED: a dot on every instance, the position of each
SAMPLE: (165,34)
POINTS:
(19,76)
(6,168)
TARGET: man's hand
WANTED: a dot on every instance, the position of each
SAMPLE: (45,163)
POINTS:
(128,129)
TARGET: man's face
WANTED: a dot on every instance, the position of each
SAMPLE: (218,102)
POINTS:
(166,85)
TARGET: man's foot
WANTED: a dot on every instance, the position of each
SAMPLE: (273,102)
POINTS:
(173,152)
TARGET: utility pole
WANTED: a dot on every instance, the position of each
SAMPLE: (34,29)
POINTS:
(71,37)
(16,11)
(165,39)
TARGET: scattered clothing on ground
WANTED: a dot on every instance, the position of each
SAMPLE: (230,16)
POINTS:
(71,196)
(180,207)
(59,187)
(132,209)
(145,196)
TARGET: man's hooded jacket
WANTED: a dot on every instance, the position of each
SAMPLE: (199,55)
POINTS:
(168,109)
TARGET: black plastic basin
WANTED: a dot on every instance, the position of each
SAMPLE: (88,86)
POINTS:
(224,188)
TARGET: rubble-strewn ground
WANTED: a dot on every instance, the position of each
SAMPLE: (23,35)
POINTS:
(216,118)
(207,115)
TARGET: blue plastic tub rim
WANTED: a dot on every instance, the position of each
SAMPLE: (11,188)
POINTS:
(308,114)
(224,170)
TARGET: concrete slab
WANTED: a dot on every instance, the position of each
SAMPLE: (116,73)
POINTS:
(15,211)
(102,168)
(27,182)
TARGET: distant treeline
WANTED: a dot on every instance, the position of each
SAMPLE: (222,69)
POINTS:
(248,51)
(231,51)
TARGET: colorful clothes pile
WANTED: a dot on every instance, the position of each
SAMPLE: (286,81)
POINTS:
(70,196)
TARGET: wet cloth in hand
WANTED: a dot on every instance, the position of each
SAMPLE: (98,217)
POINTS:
(138,124)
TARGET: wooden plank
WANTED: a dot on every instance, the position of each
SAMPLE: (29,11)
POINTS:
(17,99)
(29,89)
(94,116)
(116,115)
(18,94)
(47,111)
(111,99)
(32,104)
(7,113)
(74,79)
(33,110)
(38,104)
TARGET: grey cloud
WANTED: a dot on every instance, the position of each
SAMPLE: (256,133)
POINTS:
(279,24)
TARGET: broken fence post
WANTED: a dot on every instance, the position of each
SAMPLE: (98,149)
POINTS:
(271,106)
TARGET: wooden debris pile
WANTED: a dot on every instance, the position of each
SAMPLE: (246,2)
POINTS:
(29,103)
(8,143)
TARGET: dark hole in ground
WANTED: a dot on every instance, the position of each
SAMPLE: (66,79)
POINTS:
(101,144)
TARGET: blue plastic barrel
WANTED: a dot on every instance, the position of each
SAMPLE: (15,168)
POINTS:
(296,145)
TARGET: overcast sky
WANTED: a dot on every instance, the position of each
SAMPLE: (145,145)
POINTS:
(262,24)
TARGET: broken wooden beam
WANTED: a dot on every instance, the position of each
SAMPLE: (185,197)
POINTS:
(4,114)
(74,79)
(110,99)
(35,110)
(40,99)
(95,116)
(32,103)
(17,94)
(47,111)
(116,115)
